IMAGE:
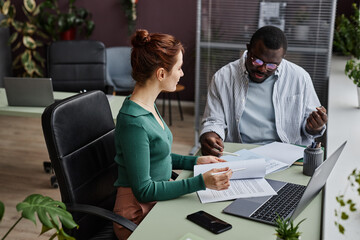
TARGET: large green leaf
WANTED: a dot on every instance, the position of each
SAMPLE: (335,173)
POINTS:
(50,212)
(2,210)
(29,67)
(30,5)
(29,42)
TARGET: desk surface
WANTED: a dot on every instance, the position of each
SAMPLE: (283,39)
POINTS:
(167,220)
(115,105)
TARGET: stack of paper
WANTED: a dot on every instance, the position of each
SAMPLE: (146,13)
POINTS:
(249,182)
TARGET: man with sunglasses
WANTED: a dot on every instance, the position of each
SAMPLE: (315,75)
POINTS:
(261,98)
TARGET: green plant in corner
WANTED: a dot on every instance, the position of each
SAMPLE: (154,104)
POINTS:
(25,38)
(286,230)
(52,214)
(347,205)
(346,39)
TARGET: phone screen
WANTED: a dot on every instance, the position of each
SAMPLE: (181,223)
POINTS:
(209,222)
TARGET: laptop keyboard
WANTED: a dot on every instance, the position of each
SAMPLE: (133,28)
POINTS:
(282,204)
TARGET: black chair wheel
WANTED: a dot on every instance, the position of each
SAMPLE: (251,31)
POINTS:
(54,182)
(47,167)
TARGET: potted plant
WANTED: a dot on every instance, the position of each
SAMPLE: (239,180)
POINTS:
(64,25)
(347,204)
(26,38)
(285,229)
(52,214)
(346,39)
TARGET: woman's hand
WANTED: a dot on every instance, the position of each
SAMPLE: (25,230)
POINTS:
(208,159)
(219,181)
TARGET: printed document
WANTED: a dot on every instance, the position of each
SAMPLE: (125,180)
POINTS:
(248,182)
(271,165)
(283,152)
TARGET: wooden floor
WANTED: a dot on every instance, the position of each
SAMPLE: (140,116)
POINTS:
(23,150)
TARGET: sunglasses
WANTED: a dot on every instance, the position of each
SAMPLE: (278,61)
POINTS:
(259,63)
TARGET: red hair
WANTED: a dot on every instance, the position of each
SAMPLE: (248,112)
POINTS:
(151,51)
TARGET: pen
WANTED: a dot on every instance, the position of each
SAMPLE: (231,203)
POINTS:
(313,144)
(229,153)
(233,170)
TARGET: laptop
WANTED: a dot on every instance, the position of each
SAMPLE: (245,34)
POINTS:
(28,92)
(291,199)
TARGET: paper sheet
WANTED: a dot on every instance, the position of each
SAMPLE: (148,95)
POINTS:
(271,165)
(249,182)
(257,187)
(283,152)
(253,169)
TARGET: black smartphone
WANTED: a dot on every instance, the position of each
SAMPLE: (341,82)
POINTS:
(209,222)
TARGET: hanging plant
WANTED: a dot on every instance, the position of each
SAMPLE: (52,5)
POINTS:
(129,7)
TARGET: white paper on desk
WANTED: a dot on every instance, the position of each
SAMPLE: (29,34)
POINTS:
(283,152)
(245,188)
(253,169)
(271,165)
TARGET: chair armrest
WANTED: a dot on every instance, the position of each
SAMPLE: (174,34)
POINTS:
(104,213)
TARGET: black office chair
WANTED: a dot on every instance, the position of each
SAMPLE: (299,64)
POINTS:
(78,65)
(79,135)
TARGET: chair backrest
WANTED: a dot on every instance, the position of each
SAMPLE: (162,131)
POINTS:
(77,65)
(79,134)
(118,68)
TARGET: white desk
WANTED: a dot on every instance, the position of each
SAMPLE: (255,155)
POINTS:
(167,220)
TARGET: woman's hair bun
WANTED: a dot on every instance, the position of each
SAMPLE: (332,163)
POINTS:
(140,38)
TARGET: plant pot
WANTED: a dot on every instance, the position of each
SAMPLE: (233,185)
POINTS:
(278,238)
(68,34)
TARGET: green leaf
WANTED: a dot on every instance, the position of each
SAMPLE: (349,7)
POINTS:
(29,42)
(25,57)
(13,37)
(17,46)
(2,210)
(4,23)
(341,229)
(344,215)
(50,213)
(18,26)
(30,5)
(5,8)
(29,28)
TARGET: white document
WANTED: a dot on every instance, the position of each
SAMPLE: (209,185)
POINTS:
(283,152)
(271,165)
(245,188)
(251,169)
(249,182)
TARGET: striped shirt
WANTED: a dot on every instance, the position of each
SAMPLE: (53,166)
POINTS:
(293,96)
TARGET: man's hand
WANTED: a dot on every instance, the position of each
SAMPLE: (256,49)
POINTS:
(316,121)
(211,144)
